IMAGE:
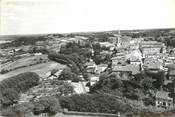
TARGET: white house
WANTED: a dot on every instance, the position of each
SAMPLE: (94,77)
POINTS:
(163,100)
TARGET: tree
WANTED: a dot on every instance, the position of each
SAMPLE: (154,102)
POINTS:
(10,96)
(108,83)
(47,104)
(67,74)
(146,83)
(149,101)
(97,48)
(97,59)
(73,55)
(64,59)
(159,79)
(66,89)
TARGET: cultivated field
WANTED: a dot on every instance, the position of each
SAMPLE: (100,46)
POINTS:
(40,69)
(23,62)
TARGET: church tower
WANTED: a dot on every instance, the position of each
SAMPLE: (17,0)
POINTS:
(119,39)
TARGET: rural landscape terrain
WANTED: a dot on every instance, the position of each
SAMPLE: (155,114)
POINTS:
(119,73)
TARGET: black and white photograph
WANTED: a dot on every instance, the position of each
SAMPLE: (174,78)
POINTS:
(87,58)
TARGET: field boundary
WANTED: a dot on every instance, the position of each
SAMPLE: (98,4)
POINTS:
(66,112)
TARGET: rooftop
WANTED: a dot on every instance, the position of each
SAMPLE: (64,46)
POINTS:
(102,65)
(81,37)
(151,63)
(145,44)
(171,66)
(172,72)
(107,44)
(91,63)
(134,69)
(163,95)
(134,59)
(151,43)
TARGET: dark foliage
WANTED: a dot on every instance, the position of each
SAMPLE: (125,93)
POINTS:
(74,60)
(101,103)
(64,59)
(66,74)
(10,88)
(47,105)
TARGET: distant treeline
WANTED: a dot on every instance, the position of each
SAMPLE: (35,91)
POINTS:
(19,41)
(11,88)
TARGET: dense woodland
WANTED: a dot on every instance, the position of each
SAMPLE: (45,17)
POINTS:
(100,103)
(11,88)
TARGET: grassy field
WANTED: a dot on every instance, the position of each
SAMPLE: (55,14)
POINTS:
(40,69)
(22,62)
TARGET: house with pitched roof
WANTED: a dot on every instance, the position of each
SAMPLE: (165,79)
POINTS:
(170,59)
(171,71)
(101,68)
(109,45)
(118,58)
(93,80)
(152,65)
(162,100)
(171,74)
(127,71)
(134,60)
(91,67)
(149,48)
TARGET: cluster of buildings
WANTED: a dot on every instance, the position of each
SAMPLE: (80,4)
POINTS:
(128,57)
(133,56)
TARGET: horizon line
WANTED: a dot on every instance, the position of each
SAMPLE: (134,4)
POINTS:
(76,32)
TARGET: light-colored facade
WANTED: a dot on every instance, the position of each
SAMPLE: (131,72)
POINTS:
(149,48)
(163,100)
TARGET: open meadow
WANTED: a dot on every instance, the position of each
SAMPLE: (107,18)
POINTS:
(26,61)
(40,69)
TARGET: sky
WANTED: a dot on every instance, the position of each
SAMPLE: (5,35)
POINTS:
(64,16)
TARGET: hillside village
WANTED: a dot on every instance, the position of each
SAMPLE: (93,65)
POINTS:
(135,70)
